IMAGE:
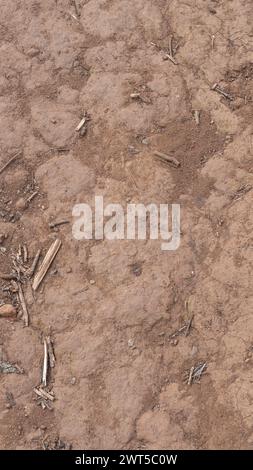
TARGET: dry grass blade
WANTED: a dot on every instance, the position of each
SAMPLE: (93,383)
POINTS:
(10,161)
(46,263)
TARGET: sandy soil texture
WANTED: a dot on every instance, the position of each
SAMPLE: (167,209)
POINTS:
(114,310)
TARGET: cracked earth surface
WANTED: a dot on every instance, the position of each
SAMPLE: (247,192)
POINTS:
(119,378)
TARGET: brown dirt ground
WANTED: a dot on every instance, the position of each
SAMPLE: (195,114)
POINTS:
(119,378)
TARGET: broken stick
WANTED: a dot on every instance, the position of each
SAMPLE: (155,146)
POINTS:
(51,355)
(216,87)
(46,263)
(167,158)
(31,270)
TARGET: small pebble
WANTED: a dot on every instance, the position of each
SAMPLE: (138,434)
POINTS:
(21,204)
(7,310)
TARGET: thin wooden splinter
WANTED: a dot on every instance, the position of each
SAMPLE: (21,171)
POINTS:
(167,158)
(45,365)
(46,263)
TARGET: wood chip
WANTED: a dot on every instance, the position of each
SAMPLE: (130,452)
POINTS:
(23,305)
(167,158)
(46,263)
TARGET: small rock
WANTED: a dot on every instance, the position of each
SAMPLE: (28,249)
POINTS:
(7,310)
(130,343)
(73,381)
(174,342)
(21,204)
(34,435)
(92,281)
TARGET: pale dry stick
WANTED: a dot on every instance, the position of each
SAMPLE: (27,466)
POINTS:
(51,355)
(81,124)
(213,40)
(177,333)
(45,365)
(197,117)
(31,271)
(25,253)
(23,305)
(190,376)
(171,59)
(167,158)
(43,394)
(10,161)
(30,198)
(46,263)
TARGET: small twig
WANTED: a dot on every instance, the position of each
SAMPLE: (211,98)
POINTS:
(213,40)
(167,158)
(46,263)
(10,161)
(171,58)
(25,253)
(190,376)
(216,87)
(31,270)
(187,331)
(56,224)
(178,332)
(197,117)
(23,305)
(45,365)
(51,355)
(170,46)
(30,198)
